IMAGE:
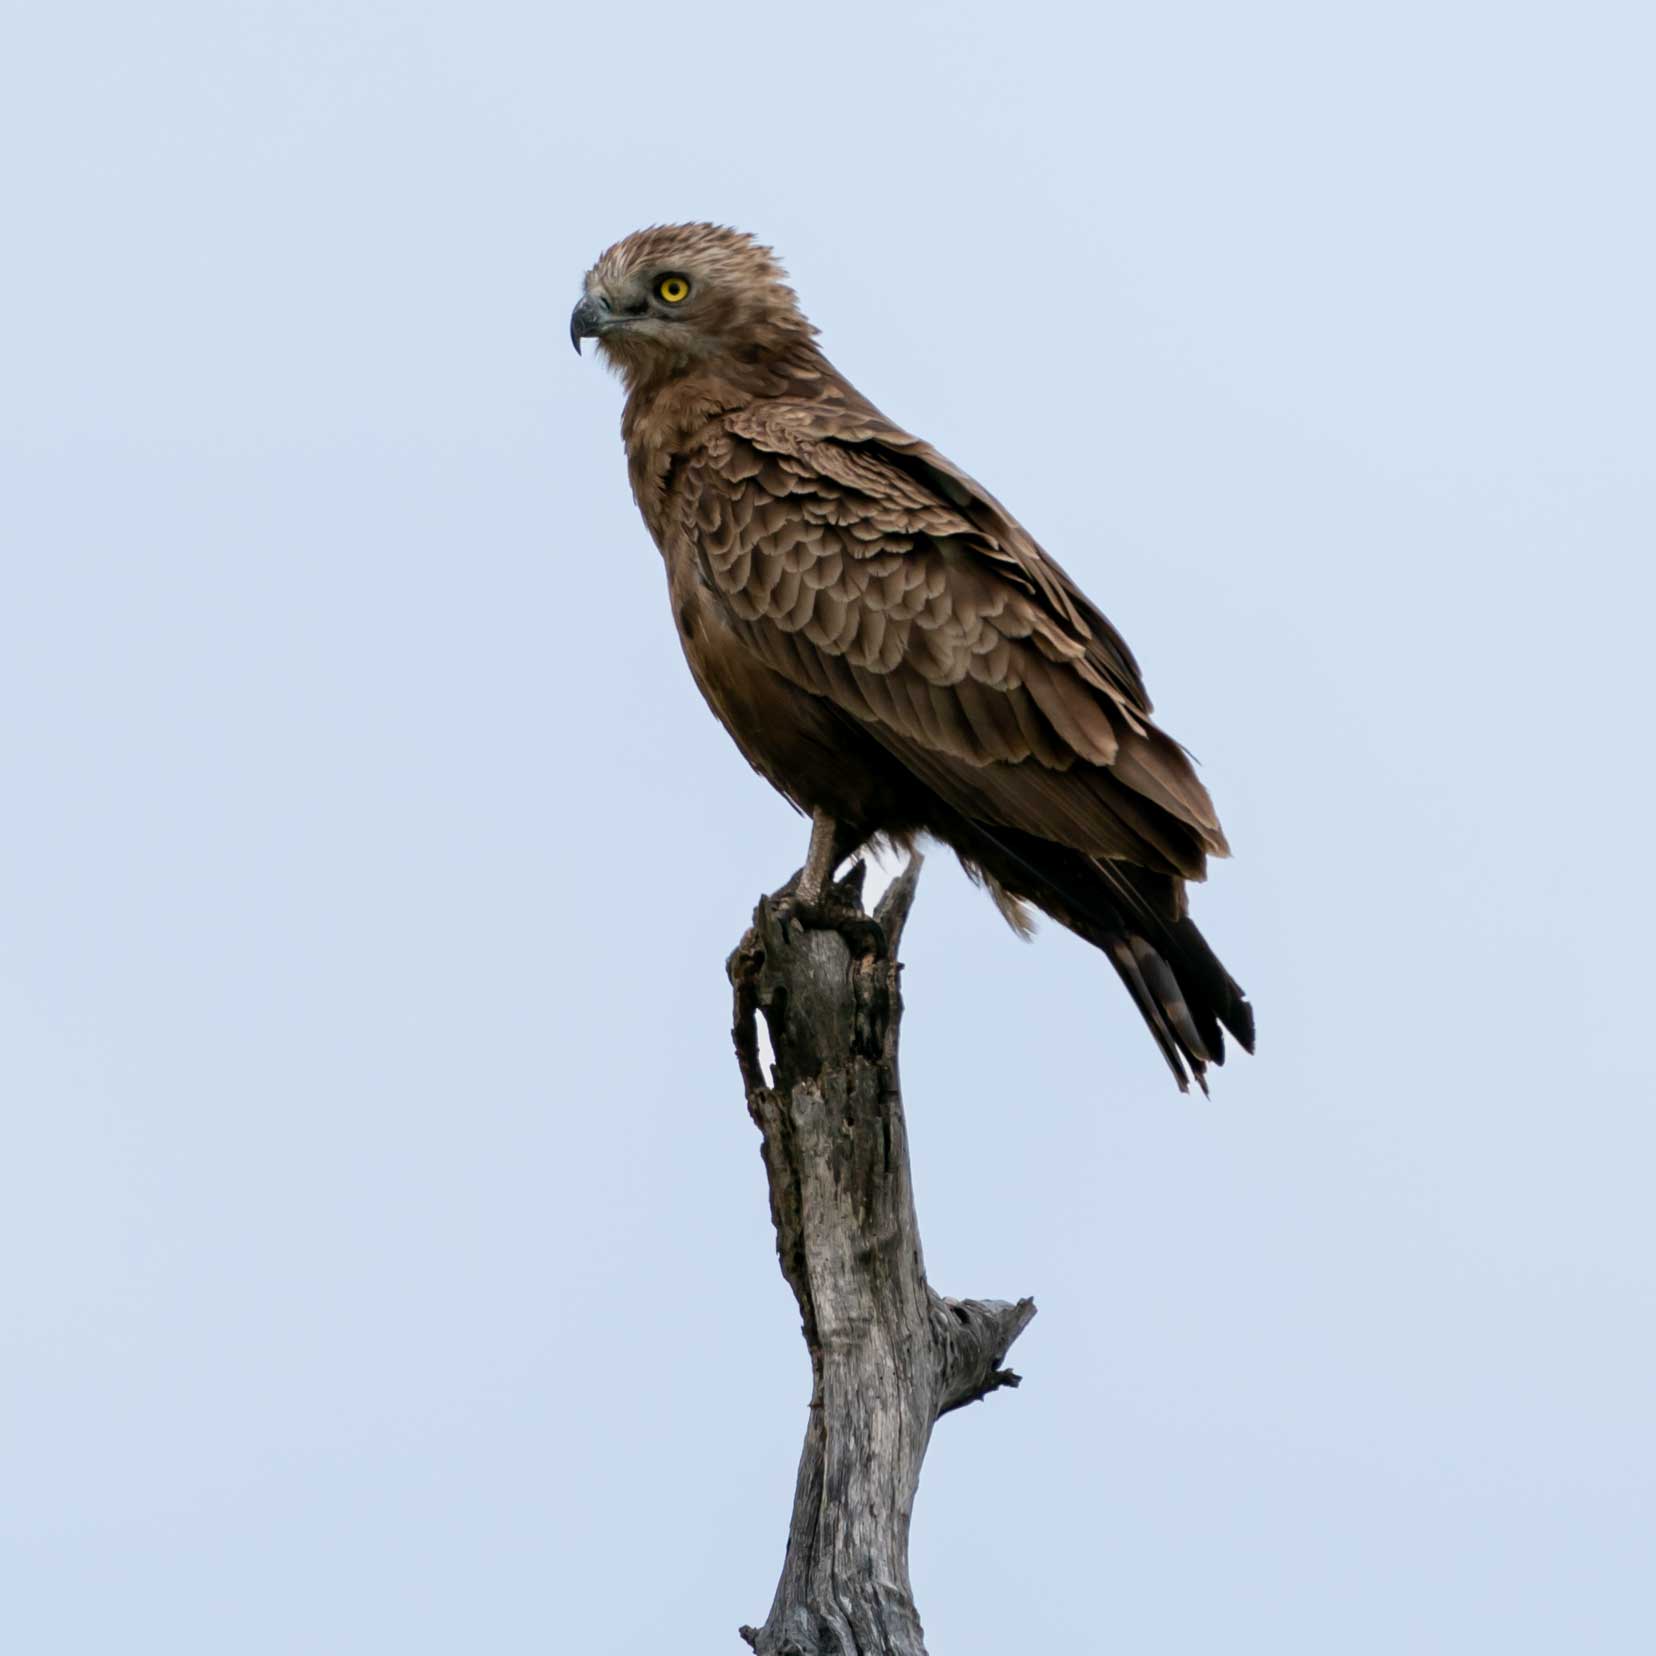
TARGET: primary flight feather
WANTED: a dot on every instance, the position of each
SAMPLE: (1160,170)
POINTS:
(886,643)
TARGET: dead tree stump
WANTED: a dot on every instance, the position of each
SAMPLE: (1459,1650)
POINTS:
(889,1355)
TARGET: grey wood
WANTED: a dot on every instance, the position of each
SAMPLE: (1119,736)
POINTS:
(889,1355)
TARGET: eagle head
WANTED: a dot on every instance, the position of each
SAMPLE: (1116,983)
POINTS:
(676,296)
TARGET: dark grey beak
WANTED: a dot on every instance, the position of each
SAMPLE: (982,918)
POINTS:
(587,320)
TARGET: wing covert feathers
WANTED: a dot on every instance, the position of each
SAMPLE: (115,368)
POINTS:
(855,562)
(862,566)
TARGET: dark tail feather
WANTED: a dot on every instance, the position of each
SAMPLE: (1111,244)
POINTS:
(1182,991)
(1169,1023)
(1212,983)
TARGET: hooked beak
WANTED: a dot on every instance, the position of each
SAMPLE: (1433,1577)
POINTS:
(588,320)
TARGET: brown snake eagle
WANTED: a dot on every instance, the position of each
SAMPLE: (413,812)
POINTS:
(883,639)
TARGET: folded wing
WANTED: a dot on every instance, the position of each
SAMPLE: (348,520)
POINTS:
(856,561)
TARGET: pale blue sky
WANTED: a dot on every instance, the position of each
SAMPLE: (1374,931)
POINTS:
(377,1272)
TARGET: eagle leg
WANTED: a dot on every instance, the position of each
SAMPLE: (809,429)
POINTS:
(820,860)
(813,899)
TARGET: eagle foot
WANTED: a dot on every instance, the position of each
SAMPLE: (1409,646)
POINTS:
(838,909)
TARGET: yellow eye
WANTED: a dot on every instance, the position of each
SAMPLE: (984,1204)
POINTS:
(674,289)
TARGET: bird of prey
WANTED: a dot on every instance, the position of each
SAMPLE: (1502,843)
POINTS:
(886,643)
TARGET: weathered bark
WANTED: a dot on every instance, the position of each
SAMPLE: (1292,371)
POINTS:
(888,1354)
